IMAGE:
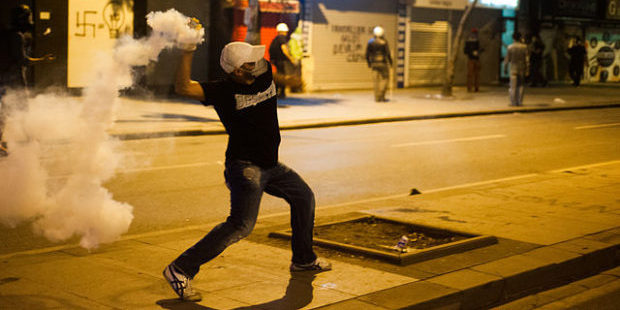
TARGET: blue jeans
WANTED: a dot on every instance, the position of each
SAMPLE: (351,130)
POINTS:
(247,182)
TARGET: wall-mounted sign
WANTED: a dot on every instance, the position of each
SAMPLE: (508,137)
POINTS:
(441,4)
(498,4)
(576,8)
(612,11)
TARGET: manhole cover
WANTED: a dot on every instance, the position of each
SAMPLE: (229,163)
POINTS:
(380,237)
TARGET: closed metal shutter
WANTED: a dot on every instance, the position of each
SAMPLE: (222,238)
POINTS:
(340,33)
(428,50)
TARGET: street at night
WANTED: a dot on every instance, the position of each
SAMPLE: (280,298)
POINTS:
(310,154)
(184,183)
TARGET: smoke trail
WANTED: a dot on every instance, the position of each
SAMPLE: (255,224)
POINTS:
(58,135)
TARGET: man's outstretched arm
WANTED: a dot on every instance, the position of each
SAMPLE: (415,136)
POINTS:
(184,85)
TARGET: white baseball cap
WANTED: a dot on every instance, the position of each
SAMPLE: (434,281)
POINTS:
(282,27)
(235,54)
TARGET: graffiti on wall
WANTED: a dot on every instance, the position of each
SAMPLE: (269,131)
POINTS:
(94,27)
(83,25)
(112,18)
(603,50)
(352,41)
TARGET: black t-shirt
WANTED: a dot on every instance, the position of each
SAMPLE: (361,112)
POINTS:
(378,52)
(275,49)
(249,114)
(577,55)
(14,58)
(472,48)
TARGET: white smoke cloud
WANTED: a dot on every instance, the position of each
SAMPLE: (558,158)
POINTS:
(60,151)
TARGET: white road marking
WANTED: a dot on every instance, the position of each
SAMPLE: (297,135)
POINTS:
(516,177)
(605,163)
(144,169)
(450,140)
(168,167)
(597,126)
(207,226)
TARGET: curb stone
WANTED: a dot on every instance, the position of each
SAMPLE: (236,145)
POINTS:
(499,282)
(324,124)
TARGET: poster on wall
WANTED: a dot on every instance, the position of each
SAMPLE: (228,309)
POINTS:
(603,46)
(94,26)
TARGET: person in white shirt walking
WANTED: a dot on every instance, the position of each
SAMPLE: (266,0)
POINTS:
(517,59)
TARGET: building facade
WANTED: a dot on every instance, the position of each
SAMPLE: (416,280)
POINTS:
(76,31)
(596,22)
(420,33)
(334,33)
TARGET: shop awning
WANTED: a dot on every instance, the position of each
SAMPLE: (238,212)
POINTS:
(272,6)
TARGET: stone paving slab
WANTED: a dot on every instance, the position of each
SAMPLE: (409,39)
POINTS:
(495,282)
(541,299)
(611,236)
(614,272)
(600,291)
(479,289)
(283,294)
(423,294)
(85,278)
(601,298)
(39,296)
(351,304)
(581,245)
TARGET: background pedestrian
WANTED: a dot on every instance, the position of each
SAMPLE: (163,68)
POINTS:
(537,49)
(379,60)
(517,60)
(15,61)
(472,50)
(578,60)
(281,58)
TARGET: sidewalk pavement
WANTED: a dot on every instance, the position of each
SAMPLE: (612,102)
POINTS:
(552,228)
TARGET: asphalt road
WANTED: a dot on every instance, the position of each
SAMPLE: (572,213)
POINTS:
(181,180)
(174,182)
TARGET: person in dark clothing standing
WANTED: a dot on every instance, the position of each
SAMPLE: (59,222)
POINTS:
(246,103)
(379,60)
(537,48)
(578,60)
(15,60)
(472,50)
(281,58)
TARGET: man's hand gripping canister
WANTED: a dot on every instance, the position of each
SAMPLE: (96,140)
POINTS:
(194,24)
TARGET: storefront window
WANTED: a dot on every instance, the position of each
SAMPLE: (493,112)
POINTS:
(509,29)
